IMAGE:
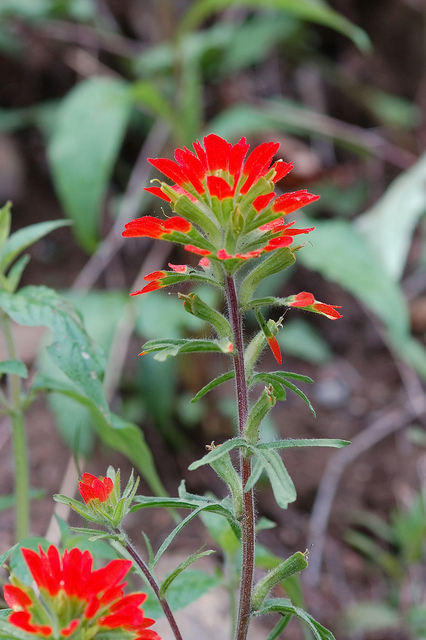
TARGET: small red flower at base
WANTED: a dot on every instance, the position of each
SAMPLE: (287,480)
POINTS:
(306,300)
(92,488)
(76,600)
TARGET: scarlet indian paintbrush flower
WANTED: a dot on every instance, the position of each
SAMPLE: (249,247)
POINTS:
(74,600)
(93,488)
(228,209)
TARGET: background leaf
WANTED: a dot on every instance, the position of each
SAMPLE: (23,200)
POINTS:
(88,134)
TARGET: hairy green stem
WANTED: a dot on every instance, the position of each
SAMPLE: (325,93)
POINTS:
(22,504)
(248,518)
(153,584)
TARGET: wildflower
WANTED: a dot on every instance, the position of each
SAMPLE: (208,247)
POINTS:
(306,300)
(93,488)
(227,206)
(75,600)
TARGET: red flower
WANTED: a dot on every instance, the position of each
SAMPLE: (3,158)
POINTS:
(93,488)
(306,300)
(74,597)
(151,227)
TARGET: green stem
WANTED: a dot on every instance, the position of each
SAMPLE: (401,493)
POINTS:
(248,518)
(22,508)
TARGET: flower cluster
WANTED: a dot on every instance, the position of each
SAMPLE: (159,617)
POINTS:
(228,209)
(104,503)
(73,600)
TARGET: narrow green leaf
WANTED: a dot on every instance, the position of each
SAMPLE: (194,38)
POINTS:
(215,508)
(90,126)
(304,442)
(4,556)
(5,220)
(23,238)
(277,377)
(279,627)
(15,367)
(172,347)
(282,485)
(218,452)
(214,383)
(312,10)
(181,567)
(15,273)
(388,233)
(285,607)
(255,475)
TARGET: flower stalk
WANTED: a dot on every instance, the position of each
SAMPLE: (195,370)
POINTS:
(248,518)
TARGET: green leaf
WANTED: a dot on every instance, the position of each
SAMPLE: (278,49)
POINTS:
(279,627)
(387,231)
(279,378)
(282,484)
(342,254)
(181,567)
(15,273)
(214,383)
(274,263)
(313,10)
(285,607)
(4,556)
(171,347)
(15,367)
(23,238)
(83,148)
(290,443)
(218,452)
(73,351)
(112,430)
(5,220)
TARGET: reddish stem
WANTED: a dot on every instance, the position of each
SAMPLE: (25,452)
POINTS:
(152,582)
(248,518)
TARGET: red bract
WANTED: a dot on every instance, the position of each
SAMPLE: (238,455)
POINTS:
(93,488)
(75,599)
(306,300)
(151,227)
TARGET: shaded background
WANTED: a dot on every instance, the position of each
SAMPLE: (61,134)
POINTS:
(89,90)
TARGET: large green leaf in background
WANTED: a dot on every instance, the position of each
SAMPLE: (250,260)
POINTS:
(342,254)
(313,10)
(82,361)
(389,225)
(89,130)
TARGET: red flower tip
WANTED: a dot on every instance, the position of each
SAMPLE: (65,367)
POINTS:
(328,310)
(289,202)
(281,170)
(194,249)
(204,262)
(156,191)
(303,299)
(306,300)
(150,227)
(152,286)
(179,268)
(275,348)
(93,488)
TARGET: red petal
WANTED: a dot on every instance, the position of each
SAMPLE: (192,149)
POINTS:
(170,169)
(281,170)
(219,187)
(21,619)
(155,275)
(275,348)
(152,286)
(147,226)
(179,268)
(217,152)
(194,249)
(192,167)
(257,164)
(236,157)
(291,201)
(201,154)
(156,191)
(262,202)
(222,255)
(303,299)
(16,597)
(176,223)
(328,310)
